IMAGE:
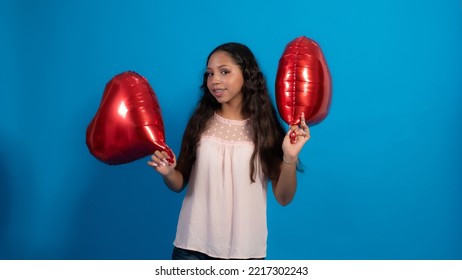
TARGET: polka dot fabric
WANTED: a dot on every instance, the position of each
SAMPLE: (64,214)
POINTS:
(228,130)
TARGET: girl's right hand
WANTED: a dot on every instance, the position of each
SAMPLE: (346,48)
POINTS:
(160,164)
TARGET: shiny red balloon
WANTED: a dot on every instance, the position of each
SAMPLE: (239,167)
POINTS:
(303,83)
(128,124)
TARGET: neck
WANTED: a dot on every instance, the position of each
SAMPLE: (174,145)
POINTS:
(230,112)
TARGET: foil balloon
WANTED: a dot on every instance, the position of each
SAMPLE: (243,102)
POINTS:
(128,124)
(303,83)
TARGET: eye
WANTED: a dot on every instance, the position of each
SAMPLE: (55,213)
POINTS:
(208,74)
(225,72)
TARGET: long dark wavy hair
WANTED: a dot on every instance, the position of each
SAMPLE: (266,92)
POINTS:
(268,133)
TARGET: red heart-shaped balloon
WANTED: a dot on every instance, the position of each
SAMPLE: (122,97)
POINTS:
(303,83)
(128,124)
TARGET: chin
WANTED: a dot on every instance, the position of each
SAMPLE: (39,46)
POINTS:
(220,99)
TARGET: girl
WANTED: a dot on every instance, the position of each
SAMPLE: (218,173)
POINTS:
(232,146)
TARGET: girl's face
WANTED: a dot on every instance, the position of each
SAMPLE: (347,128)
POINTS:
(224,79)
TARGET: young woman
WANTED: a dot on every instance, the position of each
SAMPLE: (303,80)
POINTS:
(232,147)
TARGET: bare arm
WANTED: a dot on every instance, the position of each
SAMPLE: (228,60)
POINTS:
(285,186)
(174,180)
(172,177)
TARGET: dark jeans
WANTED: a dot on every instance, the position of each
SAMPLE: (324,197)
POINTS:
(183,254)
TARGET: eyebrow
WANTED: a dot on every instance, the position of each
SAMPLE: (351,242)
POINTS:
(220,66)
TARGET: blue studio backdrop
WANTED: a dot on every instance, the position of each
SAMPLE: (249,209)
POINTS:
(382,173)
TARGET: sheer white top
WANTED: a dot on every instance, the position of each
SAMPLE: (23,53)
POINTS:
(223,214)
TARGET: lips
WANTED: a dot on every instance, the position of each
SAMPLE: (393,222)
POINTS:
(218,92)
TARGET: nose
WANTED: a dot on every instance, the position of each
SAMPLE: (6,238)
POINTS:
(215,80)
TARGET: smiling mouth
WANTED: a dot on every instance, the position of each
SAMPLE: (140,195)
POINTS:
(218,91)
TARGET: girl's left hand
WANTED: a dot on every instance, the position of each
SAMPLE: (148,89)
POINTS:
(302,132)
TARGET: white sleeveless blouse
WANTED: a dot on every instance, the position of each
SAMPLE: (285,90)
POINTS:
(223,213)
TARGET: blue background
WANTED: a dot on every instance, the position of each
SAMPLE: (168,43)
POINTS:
(382,173)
